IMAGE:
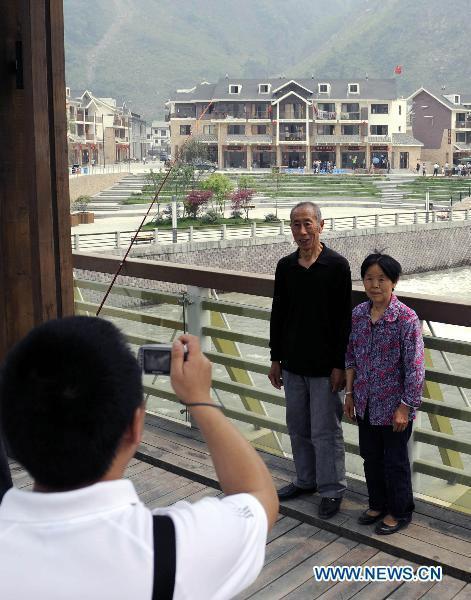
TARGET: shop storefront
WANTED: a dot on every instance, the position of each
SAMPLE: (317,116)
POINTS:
(235,157)
(323,154)
(353,157)
(380,157)
(263,157)
(294,157)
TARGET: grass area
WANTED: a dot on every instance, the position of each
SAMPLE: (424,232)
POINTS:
(439,188)
(288,186)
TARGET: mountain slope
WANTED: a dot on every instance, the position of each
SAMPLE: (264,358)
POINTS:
(142,50)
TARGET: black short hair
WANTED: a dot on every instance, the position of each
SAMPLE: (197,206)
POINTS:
(389,265)
(68,392)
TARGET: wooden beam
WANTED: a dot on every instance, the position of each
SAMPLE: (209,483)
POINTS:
(36,262)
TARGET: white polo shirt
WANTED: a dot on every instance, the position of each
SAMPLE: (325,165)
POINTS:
(97,543)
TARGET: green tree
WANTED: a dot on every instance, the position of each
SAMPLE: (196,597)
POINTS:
(221,186)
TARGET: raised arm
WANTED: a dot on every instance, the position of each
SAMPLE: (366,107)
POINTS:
(238,466)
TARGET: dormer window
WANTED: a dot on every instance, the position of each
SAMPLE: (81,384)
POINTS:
(235,89)
(353,88)
(263,88)
(324,88)
(457,99)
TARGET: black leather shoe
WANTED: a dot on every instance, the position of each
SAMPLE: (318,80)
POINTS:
(366,519)
(383,529)
(329,507)
(293,491)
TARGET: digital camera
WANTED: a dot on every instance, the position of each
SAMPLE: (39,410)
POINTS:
(155,359)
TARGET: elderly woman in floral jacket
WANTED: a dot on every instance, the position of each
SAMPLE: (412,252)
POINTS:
(385,375)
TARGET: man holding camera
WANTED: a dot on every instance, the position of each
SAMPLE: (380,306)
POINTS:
(309,331)
(73,414)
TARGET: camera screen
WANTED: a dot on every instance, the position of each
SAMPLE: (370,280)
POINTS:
(156,361)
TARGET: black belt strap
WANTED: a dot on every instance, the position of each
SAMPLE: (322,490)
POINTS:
(164,558)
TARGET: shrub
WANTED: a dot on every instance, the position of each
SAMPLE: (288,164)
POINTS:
(236,214)
(211,217)
(195,201)
(271,218)
(80,204)
(240,201)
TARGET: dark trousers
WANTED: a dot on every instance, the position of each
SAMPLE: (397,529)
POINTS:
(387,467)
(5,476)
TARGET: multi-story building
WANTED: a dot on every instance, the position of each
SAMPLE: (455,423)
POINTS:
(285,122)
(442,122)
(158,136)
(98,131)
(138,140)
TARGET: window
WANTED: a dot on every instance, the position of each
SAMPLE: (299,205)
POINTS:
(378,130)
(209,129)
(350,130)
(325,129)
(400,109)
(353,88)
(400,129)
(260,129)
(236,129)
(381,109)
(185,129)
(163,133)
(324,88)
(457,99)
(234,89)
(263,88)
(461,136)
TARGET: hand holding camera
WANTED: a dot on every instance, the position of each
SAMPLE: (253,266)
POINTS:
(191,378)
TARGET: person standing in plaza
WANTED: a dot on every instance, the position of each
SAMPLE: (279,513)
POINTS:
(309,331)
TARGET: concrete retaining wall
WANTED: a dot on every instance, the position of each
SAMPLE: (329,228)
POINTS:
(417,247)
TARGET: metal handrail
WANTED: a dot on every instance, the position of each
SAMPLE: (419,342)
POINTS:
(116,239)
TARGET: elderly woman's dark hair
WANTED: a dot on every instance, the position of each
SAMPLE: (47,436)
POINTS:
(389,265)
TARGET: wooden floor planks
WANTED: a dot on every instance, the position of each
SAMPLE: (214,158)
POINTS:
(298,541)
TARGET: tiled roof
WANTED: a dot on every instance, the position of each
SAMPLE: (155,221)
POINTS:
(338,139)
(249,139)
(373,89)
(205,138)
(463,147)
(404,139)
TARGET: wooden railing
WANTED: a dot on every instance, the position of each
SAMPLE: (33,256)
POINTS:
(206,317)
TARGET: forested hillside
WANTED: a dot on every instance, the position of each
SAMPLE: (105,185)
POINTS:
(141,50)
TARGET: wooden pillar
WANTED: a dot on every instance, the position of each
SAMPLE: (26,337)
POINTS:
(35,250)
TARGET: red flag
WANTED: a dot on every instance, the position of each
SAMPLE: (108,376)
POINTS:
(398,69)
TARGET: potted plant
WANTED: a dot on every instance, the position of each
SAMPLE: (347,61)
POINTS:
(80,212)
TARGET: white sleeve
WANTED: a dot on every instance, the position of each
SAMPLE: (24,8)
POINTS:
(220,546)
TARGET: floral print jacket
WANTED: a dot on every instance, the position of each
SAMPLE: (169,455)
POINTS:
(388,358)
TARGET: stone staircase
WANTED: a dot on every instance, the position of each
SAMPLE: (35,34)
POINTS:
(110,200)
(392,196)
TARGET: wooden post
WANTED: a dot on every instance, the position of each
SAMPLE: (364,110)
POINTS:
(36,258)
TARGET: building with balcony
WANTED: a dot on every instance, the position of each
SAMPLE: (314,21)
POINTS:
(442,122)
(259,123)
(158,137)
(138,137)
(98,131)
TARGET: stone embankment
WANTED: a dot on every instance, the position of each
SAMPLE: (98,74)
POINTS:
(89,185)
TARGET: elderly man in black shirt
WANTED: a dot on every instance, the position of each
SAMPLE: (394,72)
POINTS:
(309,330)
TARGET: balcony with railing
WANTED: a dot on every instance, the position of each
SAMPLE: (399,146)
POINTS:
(290,111)
(350,116)
(463,124)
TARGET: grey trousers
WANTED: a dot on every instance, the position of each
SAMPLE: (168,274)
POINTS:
(313,417)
